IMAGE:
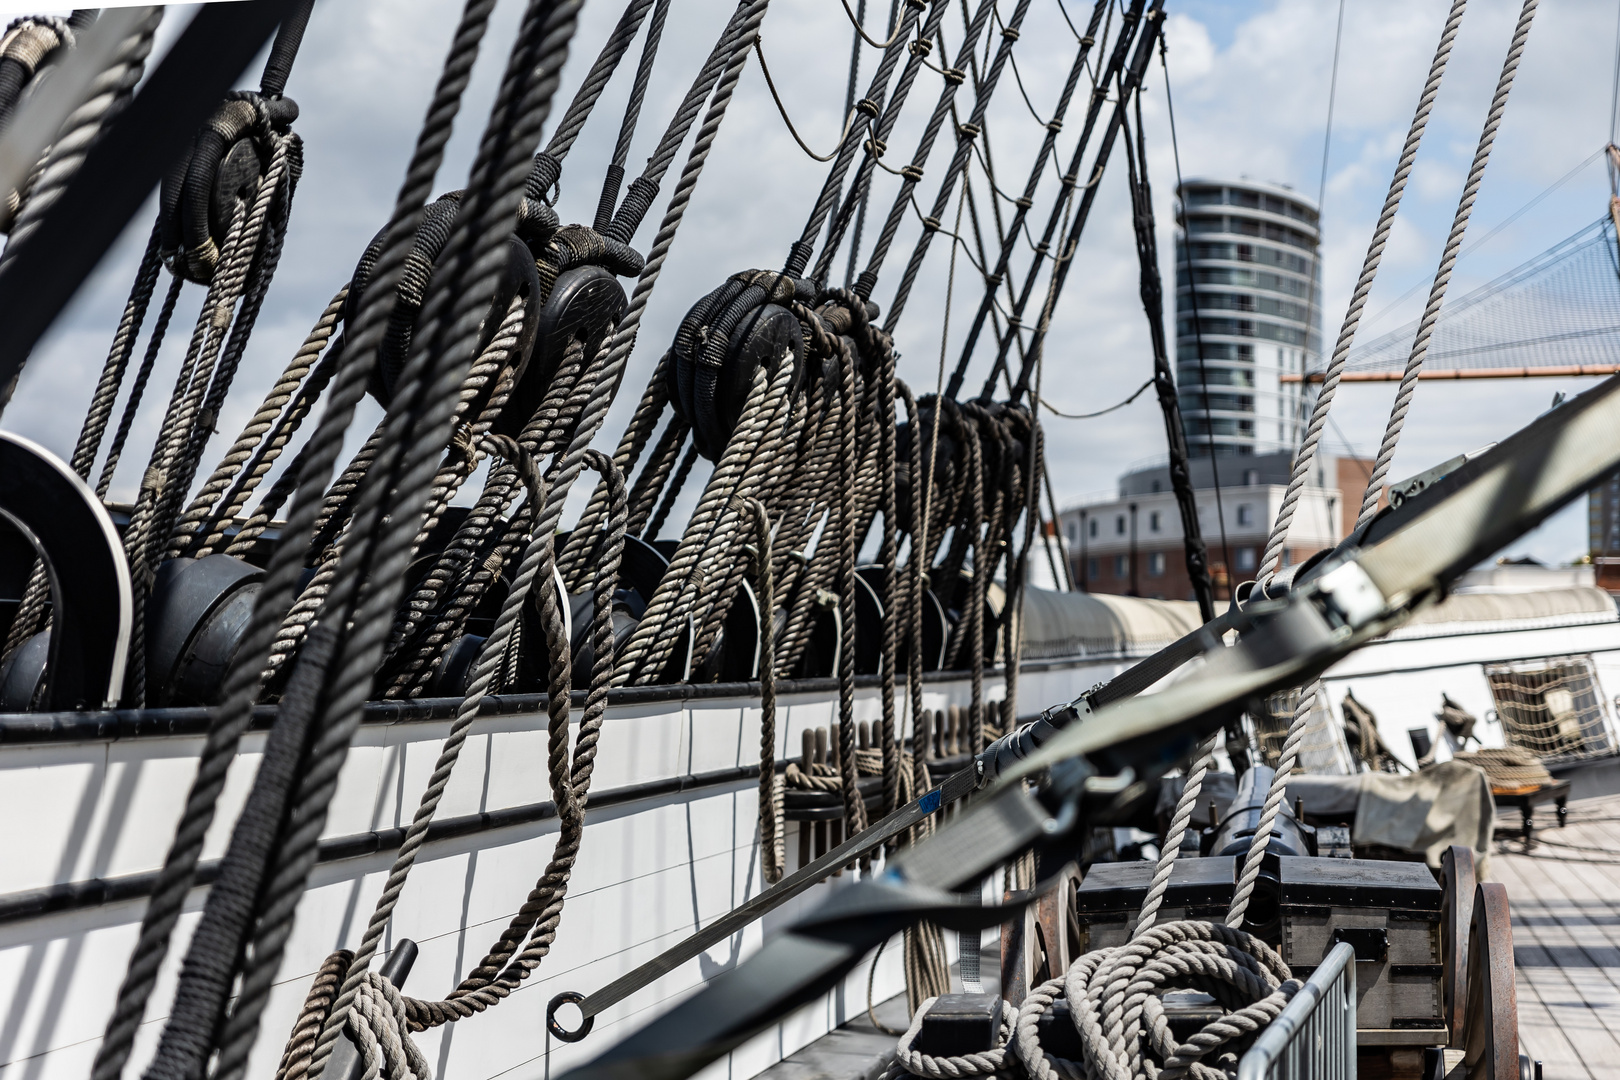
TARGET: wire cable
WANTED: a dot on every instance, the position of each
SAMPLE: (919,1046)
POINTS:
(1049,407)
(849,120)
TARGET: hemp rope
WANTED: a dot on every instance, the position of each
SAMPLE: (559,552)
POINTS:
(242,682)
(1306,453)
(1448,260)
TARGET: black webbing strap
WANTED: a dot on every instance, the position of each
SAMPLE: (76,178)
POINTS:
(955,787)
(39,278)
(815,953)
(1347,601)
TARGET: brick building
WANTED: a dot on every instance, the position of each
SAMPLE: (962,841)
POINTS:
(1132,544)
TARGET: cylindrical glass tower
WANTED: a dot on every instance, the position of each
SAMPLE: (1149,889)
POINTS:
(1256,289)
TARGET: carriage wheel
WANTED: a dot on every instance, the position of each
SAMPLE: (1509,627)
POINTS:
(1456,911)
(1491,1020)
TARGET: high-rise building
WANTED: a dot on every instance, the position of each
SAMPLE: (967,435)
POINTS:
(1256,291)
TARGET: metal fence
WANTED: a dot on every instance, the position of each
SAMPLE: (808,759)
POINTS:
(1314,1037)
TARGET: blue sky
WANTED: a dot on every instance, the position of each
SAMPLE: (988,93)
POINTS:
(1251,88)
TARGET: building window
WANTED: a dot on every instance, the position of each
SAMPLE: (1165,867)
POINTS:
(1251,478)
(1122,566)
(1156,564)
(1245,558)
(1071,532)
(1094,528)
(1245,512)
(1119,525)
(1092,570)
(1153,521)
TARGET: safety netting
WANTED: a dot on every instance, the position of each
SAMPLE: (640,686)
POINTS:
(1560,309)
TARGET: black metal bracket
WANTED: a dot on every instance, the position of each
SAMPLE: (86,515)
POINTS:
(91,603)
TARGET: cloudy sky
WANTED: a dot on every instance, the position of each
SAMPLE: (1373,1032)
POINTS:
(1250,83)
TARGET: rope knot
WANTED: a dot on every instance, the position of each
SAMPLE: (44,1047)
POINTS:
(968,131)
(912,172)
(876,147)
(463,444)
(1010,33)
(867,107)
(920,48)
(954,76)
(380,1025)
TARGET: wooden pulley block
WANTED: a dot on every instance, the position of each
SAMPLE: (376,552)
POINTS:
(725,340)
(584,306)
(518,278)
(221,173)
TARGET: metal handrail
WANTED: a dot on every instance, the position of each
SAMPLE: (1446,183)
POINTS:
(1314,1037)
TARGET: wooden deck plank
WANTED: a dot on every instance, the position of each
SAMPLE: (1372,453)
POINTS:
(1557,1026)
(1565,927)
(1566,915)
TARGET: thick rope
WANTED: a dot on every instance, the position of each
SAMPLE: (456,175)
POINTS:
(1448,260)
(1269,811)
(985,1063)
(484,677)
(317,1005)
(1386,452)
(241,688)
(772,828)
(1174,836)
(378,1025)
(735,44)
(103,98)
(1306,454)
(366,591)
(209,504)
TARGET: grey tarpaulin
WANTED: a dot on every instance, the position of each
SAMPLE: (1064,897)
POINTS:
(1423,812)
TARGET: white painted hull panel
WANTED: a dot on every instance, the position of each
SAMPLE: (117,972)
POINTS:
(650,872)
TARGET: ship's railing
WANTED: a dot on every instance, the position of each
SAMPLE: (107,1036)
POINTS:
(1314,1037)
